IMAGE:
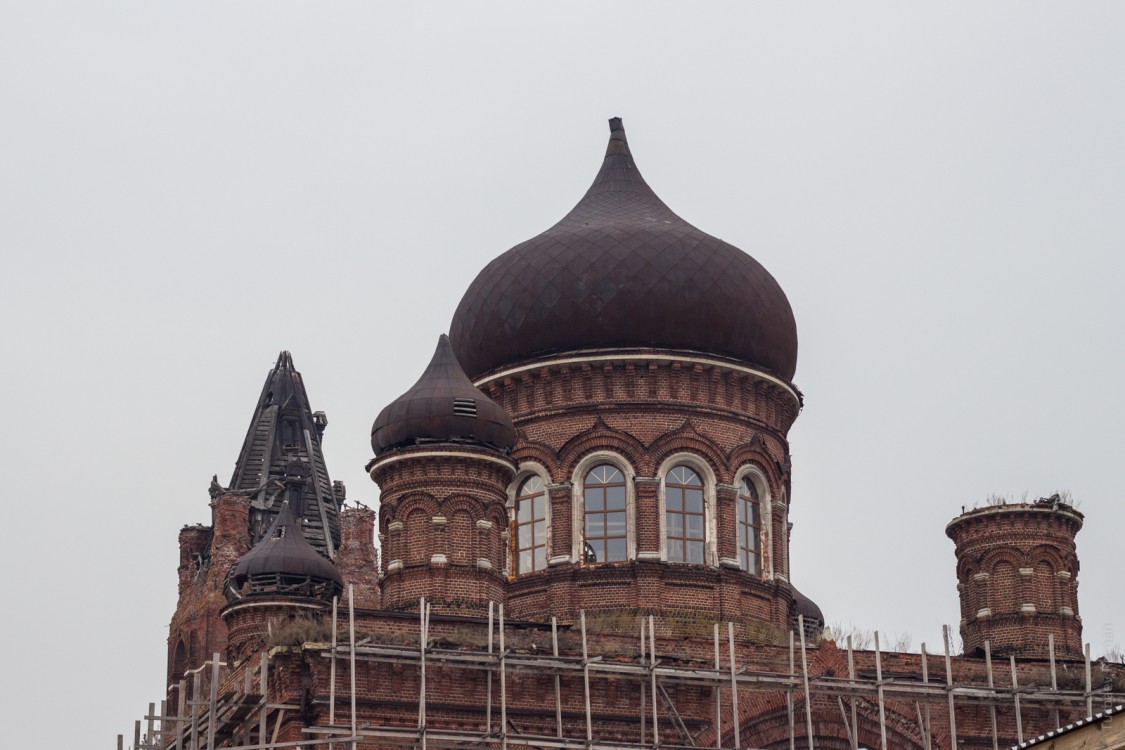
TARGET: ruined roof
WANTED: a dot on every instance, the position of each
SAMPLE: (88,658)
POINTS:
(284,559)
(443,406)
(622,270)
(284,428)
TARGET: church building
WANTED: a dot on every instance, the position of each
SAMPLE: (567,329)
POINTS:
(582,539)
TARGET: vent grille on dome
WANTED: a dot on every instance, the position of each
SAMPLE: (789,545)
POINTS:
(464,407)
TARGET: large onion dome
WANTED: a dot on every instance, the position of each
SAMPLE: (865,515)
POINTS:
(442,407)
(621,270)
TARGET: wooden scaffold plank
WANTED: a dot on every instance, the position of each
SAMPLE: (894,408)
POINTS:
(734,687)
(718,696)
(949,690)
(880,694)
(558,689)
(991,685)
(852,699)
(805,678)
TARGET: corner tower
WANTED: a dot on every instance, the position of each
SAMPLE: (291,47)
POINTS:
(442,467)
(1017,576)
(647,367)
(284,430)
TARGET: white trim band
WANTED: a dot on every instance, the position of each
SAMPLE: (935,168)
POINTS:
(379,463)
(653,356)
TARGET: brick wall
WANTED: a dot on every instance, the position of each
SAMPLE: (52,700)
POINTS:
(357,558)
(206,555)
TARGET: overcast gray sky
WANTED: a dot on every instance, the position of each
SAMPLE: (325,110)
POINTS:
(188,188)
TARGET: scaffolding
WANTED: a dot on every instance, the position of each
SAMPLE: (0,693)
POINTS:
(239,718)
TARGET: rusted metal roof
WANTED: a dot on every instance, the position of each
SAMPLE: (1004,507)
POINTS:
(621,270)
(284,561)
(443,406)
(284,428)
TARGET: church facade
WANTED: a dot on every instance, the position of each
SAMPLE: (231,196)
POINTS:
(583,538)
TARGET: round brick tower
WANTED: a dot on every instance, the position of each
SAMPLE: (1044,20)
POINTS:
(647,367)
(281,578)
(443,472)
(1017,577)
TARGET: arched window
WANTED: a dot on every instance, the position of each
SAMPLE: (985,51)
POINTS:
(605,525)
(179,662)
(684,516)
(749,527)
(531,525)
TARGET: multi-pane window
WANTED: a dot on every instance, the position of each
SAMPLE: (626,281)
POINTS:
(605,525)
(531,525)
(749,527)
(684,516)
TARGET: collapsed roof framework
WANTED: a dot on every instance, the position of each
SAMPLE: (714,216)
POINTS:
(244,717)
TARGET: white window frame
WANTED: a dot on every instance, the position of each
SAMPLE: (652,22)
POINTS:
(765,513)
(578,503)
(527,469)
(703,469)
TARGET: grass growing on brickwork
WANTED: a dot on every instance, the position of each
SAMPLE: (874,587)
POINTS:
(296,631)
(863,639)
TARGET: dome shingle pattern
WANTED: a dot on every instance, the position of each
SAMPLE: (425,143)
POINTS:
(621,270)
(443,406)
(285,553)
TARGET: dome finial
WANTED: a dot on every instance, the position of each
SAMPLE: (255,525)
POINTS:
(617,141)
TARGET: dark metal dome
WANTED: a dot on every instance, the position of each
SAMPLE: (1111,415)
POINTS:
(621,270)
(807,608)
(284,562)
(443,406)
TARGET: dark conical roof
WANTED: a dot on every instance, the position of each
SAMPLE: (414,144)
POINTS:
(621,270)
(285,561)
(284,428)
(443,406)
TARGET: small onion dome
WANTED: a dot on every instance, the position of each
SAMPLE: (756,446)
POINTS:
(806,608)
(621,271)
(285,563)
(442,407)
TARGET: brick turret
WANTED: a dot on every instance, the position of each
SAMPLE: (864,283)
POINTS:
(444,526)
(1017,577)
(443,472)
(357,557)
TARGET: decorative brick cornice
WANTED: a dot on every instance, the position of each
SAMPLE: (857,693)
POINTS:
(586,361)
